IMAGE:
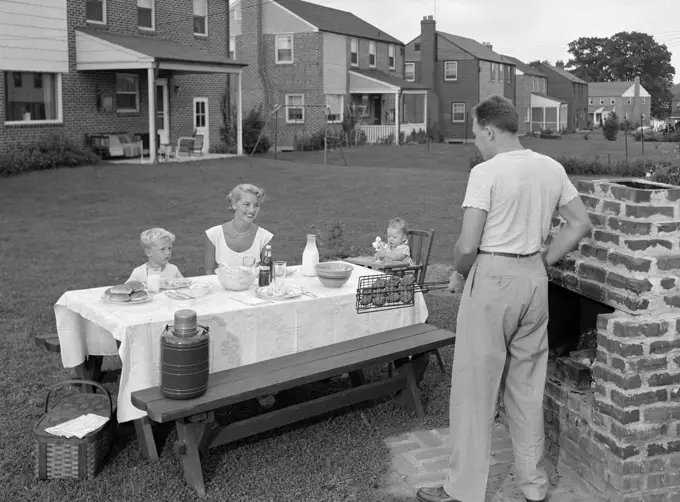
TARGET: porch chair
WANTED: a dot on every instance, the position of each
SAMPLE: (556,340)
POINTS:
(420,242)
(190,145)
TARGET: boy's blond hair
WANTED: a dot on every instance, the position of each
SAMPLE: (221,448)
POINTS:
(150,236)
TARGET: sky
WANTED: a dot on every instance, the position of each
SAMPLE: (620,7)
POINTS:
(526,29)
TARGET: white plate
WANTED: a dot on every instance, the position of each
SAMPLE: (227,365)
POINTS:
(291,292)
(135,302)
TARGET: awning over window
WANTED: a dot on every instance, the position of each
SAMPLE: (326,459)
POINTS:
(101,50)
(378,82)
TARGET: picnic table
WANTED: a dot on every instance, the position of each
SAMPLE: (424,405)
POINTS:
(243,329)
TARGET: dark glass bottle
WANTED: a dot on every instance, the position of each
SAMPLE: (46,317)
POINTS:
(266,267)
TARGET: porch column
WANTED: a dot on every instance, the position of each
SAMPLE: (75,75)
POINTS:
(153,147)
(239,113)
(425,113)
(396,117)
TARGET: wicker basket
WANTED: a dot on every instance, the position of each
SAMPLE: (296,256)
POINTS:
(58,457)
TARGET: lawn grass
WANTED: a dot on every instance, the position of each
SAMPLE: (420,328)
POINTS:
(79,228)
(455,156)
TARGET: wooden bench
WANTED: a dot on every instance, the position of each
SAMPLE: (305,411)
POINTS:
(91,369)
(198,431)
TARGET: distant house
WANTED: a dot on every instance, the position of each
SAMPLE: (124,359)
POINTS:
(675,108)
(537,110)
(310,65)
(571,90)
(629,100)
(460,73)
(155,70)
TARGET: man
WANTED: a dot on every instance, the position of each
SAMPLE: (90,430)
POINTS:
(501,340)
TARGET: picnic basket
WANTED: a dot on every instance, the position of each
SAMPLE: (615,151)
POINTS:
(59,457)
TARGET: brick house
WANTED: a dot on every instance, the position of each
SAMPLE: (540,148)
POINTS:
(675,104)
(460,73)
(571,90)
(629,100)
(92,66)
(309,65)
(537,110)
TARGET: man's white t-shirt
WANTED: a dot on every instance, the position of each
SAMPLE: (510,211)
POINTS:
(520,190)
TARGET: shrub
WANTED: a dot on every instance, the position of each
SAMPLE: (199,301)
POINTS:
(332,242)
(253,124)
(611,127)
(310,142)
(666,172)
(51,153)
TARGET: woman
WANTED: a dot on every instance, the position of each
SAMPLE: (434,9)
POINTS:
(228,244)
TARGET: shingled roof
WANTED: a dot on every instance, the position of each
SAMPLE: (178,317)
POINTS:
(565,74)
(523,67)
(336,21)
(478,50)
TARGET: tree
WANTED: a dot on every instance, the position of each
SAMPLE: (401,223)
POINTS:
(534,64)
(623,57)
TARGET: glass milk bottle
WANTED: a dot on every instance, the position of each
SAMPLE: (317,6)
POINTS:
(310,257)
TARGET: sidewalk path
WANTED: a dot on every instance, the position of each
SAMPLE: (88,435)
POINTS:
(420,458)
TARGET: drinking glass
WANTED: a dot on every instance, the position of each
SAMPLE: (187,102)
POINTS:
(153,279)
(279,273)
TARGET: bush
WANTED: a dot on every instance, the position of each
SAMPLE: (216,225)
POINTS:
(50,153)
(475,158)
(332,242)
(253,124)
(611,127)
(311,142)
(666,172)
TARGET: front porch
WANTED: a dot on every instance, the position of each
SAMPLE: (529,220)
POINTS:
(164,88)
(386,107)
(547,114)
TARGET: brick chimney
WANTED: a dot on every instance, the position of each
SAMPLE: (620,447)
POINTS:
(428,50)
(637,106)
(428,58)
(488,44)
(255,88)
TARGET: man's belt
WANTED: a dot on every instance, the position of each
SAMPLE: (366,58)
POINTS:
(509,255)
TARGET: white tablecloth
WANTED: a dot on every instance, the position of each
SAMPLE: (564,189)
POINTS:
(239,334)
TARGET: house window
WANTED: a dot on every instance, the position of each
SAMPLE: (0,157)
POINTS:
(232,47)
(127,92)
(371,54)
(390,57)
(643,101)
(544,84)
(410,72)
(601,101)
(416,46)
(511,70)
(527,114)
(237,14)
(493,72)
(354,52)
(284,49)
(295,108)
(591,101)
(95,11)
(450,70)
(457,112)
(38,99)
(612,101)
(629,101)
(200,17)
(335,104)
(145,14)
(501,70)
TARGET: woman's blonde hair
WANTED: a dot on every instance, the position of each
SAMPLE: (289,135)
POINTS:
(149,237)
(238,191)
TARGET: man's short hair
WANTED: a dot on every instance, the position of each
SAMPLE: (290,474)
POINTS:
(498,112)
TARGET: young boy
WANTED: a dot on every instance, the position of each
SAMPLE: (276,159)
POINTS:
(157,245)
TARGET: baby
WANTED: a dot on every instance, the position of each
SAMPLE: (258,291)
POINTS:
(157,245)
(396,248)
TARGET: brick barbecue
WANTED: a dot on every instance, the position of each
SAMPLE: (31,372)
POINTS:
(620,434)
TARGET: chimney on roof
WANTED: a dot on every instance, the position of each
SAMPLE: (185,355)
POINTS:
(488,44)
(637,104)
(559,64)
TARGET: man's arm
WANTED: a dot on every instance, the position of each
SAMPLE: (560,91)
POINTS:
(577,226)
(465,251)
